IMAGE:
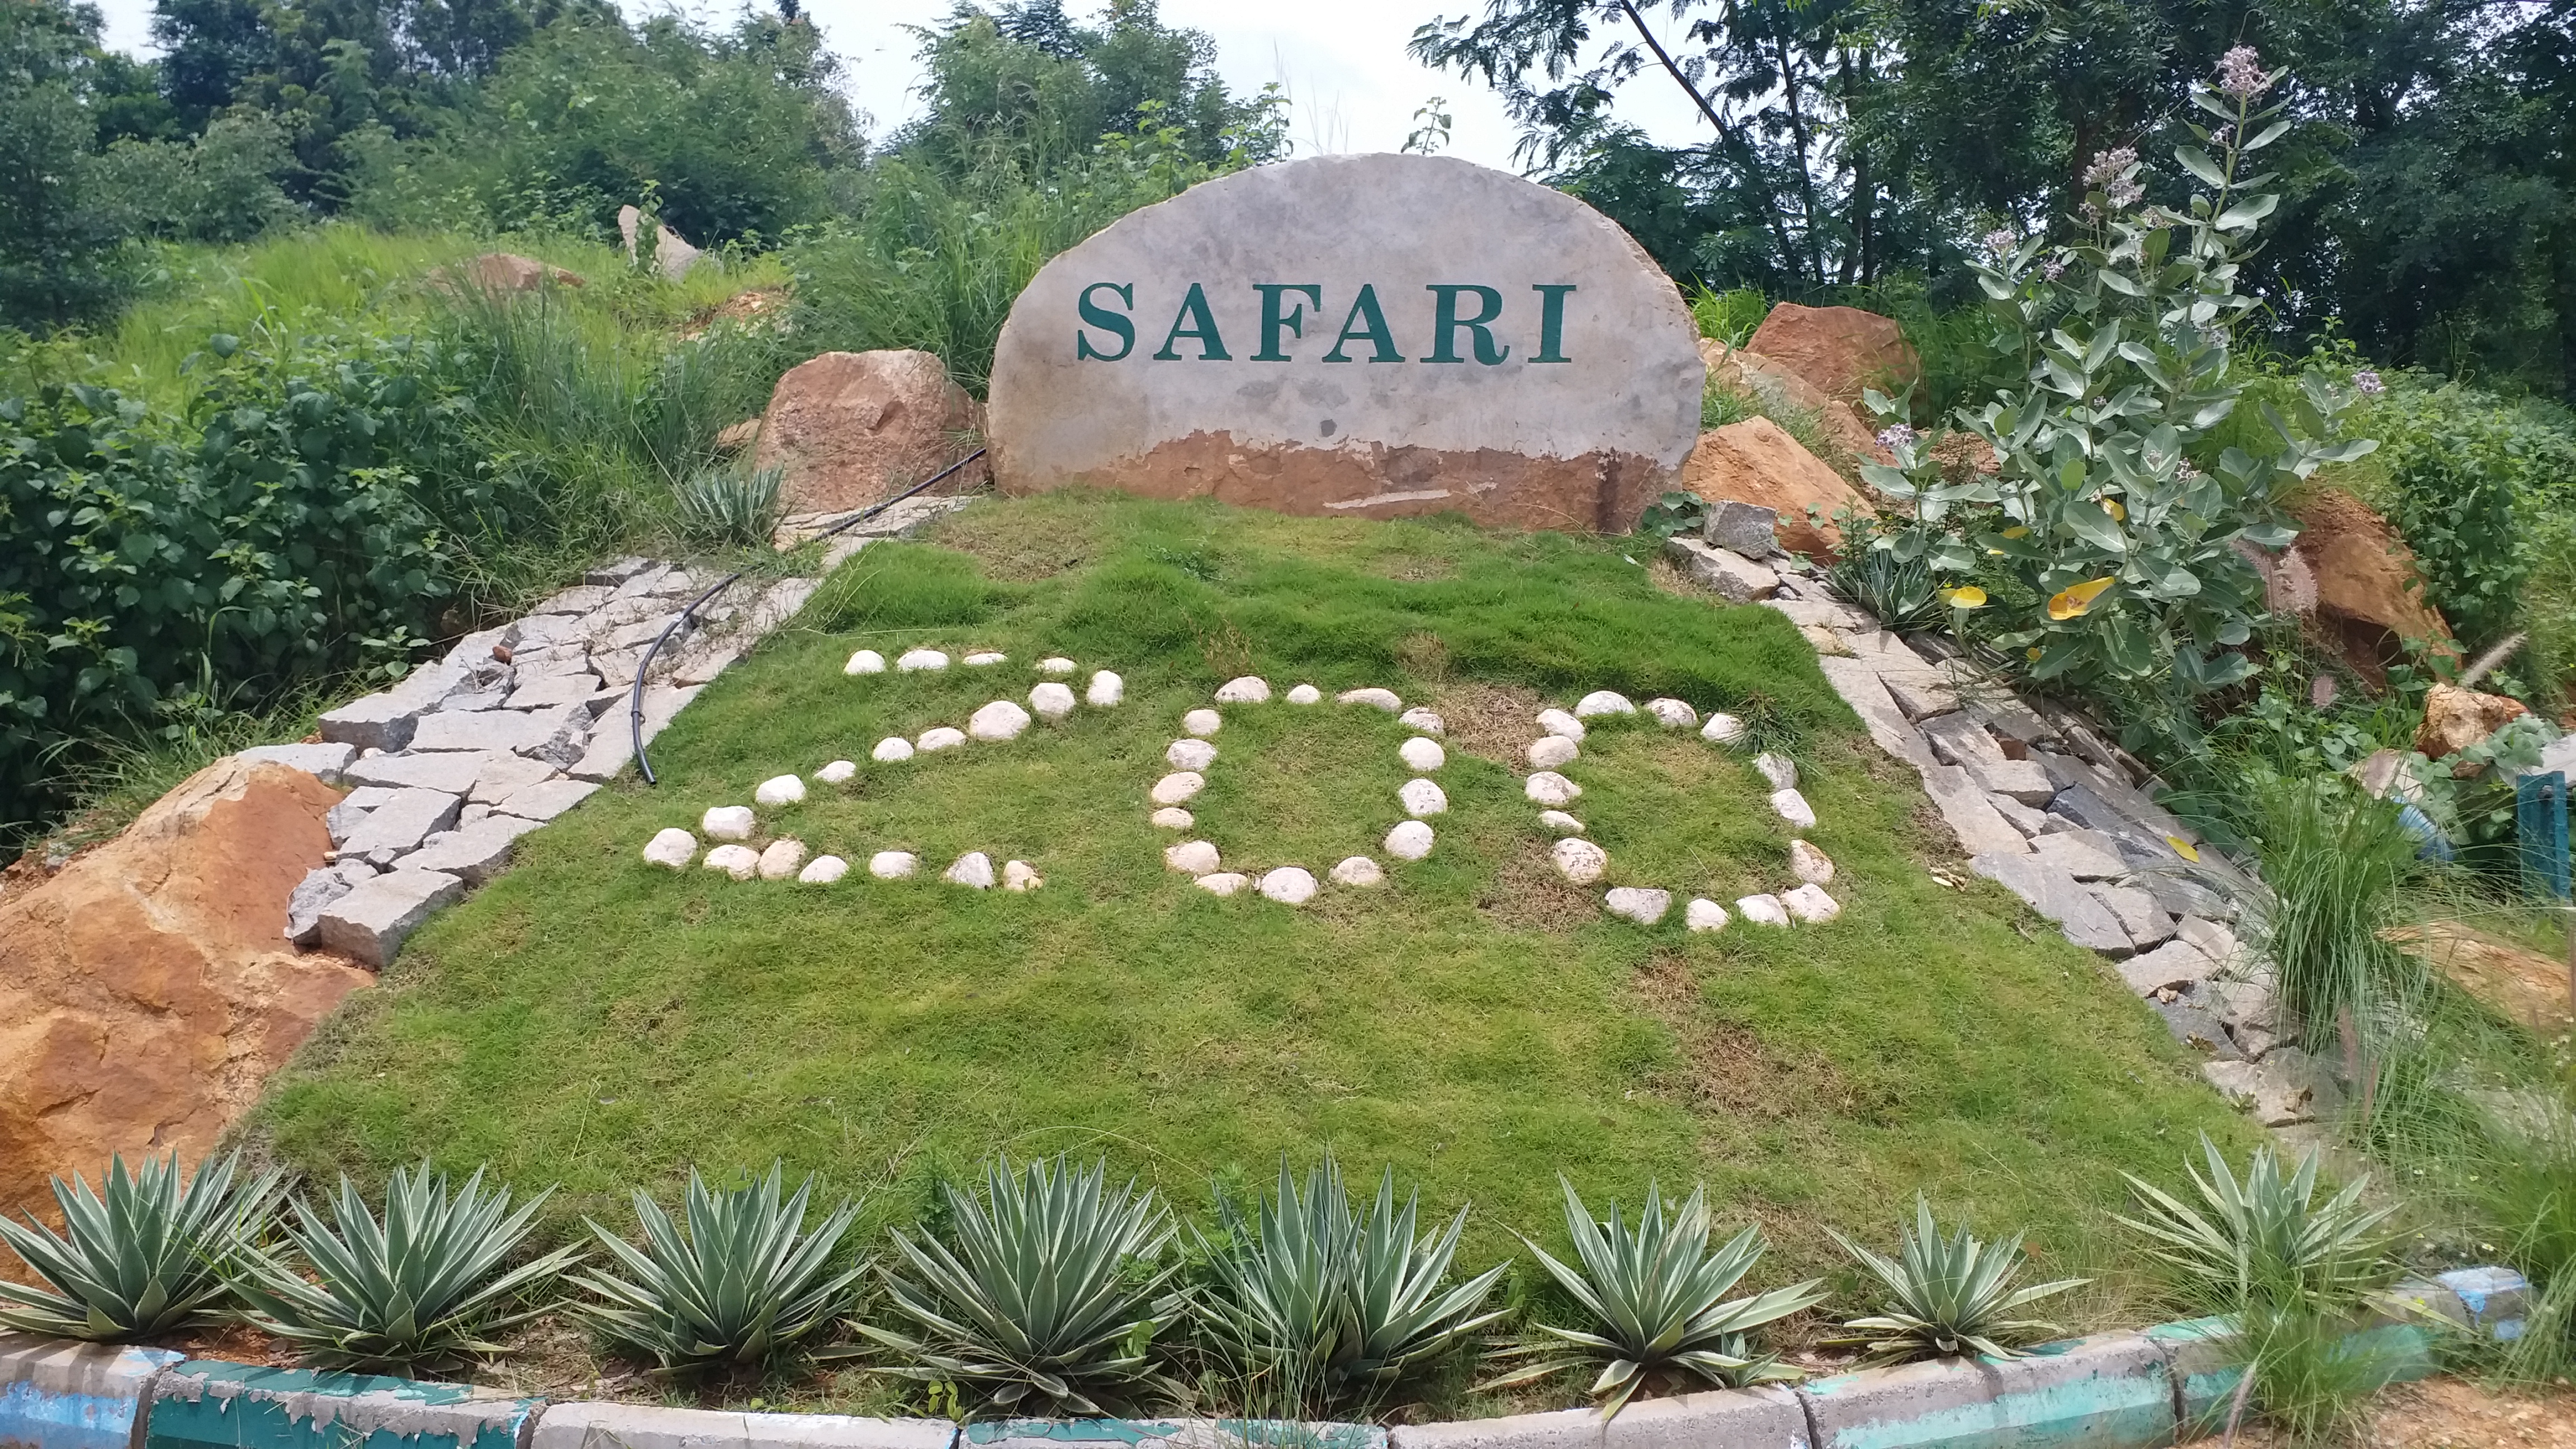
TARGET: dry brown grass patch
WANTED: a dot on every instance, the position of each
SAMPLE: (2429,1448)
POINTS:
(1490,721)
(1528,895)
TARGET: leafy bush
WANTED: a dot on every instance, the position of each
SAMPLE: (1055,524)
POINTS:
(1348,1302)
(147,1257)
(744,1285)
(2265,1239)
(1950,1296)
(424,1288)
(1052,1294)
(1656,1294)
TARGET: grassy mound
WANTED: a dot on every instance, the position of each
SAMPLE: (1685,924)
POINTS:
(594,1020)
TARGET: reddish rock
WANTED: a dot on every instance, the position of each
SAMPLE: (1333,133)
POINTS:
(149,989)
(2367,590)
(504,272)
(851,428)
(739,436)
(1756,461)
(1779,388)
(2456,718)
(1838,350)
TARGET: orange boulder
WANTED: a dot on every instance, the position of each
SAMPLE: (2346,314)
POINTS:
(1756,461)
(2367,590)
(2456,718)
(1838,350)
(851,428)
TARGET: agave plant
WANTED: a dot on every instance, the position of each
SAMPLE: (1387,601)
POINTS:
(425,1287)
(744,1285)
(720,505)
(1952,1295)
(1342,1300)
(145,1258)
(1054,1290)
(2266,1239)
(1657,1295)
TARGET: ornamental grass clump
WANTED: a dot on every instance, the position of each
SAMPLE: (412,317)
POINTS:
(2264,1238)
(1049,1299)
(1656,1295)
(427,1287)
(145,1257)
(744,1286)
(1950,1296)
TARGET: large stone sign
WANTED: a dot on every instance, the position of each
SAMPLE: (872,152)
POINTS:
(1356,336)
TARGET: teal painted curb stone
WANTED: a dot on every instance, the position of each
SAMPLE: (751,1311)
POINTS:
(2206,1369)
(1168,1434)
(2111,1391)
(642,1426)
(204,1402)
(60,1395)
(1767,1418)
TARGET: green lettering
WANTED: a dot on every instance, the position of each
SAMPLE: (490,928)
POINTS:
(1273,321)
(1194,310)
(1446,324)
(1375,333)
(1551,321)
(1095,315)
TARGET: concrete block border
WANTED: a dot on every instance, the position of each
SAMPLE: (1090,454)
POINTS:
(2110,1391)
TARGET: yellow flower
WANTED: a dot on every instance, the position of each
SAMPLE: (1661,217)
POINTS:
(2018,530)
(2034,656)
(2183,848)
(1967,596)
(2077,601)
(2112,507)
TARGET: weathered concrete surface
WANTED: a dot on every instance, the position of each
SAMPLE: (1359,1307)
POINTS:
(208,1402)
(147,990)
(2113,1389)
(59,1395)
(1767,1418)
(642,1426)
(1356,336)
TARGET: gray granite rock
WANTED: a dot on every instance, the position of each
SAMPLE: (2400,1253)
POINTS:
(1744,528)
(612,747)
(1969,814)
(473,853)
(579,599)
(453,772)
(344,818)
(385,721)
(617,571)
(548,691)
(2083,854)
(546,800)
(324,762)
(2146,922)
(504,775)
(316,892)
(403,821)
(1729,574)
(1922,695)
(2055,894)
(1889,729)
(2174,965)
(2197,1030)
(370,923)
(2020,781)
(492,730)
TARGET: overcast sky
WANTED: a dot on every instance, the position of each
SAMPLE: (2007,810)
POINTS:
(1342,62)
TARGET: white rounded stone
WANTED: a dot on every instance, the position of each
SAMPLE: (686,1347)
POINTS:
(1560,822)
(1250,689)
(891,748)
(839,772)
(823,870)
(1703,914)
(1422,754)
(1722,729)
(940,737)
(1289,885)
(1019,875)
(1810,903)
(1763,910)
(1672,714)
(1422,797)
(986,659)
(1176,788)
(1306,694)
(866,661)
(893,864)
(1602,701)
(1547,787)
(1056,664)
(1223,883)
(974,869)
(1173,817)
(1202,722)
(1384,699)
(739,861)
(1409,840)
(672,847)
(1810,864)
(1579,860)
(1780,770)
(1190,754)
(1558,722)
(1190,857)
(1358,870)
(912,660)
(728,822)
(781,859)
(1640,904)
(1052,700)
(1106,689)
(1791,806)
(1549,752)
(999,720)
(1425,720)
(779,790)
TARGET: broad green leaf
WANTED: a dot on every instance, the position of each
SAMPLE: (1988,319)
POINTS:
(2198,163)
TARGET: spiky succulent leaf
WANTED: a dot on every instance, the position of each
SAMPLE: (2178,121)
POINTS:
(2265,1240)
(1952,1296)
(146,1256)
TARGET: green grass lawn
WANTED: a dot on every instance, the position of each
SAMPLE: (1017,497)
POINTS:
(596,1021)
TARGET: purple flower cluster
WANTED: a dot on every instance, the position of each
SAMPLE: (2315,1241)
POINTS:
(2000,240)
(2241,74)
(2111,170)
(2053,268)
(2368,383)
(1895,436)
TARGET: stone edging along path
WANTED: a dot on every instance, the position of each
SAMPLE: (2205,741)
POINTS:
(2108,1391)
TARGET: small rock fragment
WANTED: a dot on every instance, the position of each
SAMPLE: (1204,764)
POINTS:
(1052,700)
(940,737)
(1106,689)
(1190,754)
(1763,910)
(1638,903)
(1558,722)
(739,861)
(1810,864)
(893,864)
(893,747)
(1722,729)
(1306,694)
(1223,883)
(918,659)
(729,822)
(1384,699)
(1791,806)
(1672,714)
(985,659)
(1427,721)
(779,790)
(1547,787)
(1810,903)
(1579,860)
(823,870)
(781,859)
(999,720)
(1172,817)
(1422,797)
(1601,702)
(1560,822)
(836,773)
(866,661)
(1019,875)
(973,869)
(1202,722)
(1409,840)
(1056,664)
(1422,754)
(1190,857)
(1176,788)
(1703,914)
(1289,885)
(1549,752)
(1358,870)
(1780,770)
(1250,689)
(672,847)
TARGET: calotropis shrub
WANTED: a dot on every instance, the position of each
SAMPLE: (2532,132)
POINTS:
(269,536)
(2113,545)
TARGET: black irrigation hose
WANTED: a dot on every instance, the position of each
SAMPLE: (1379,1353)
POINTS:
(635,695)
